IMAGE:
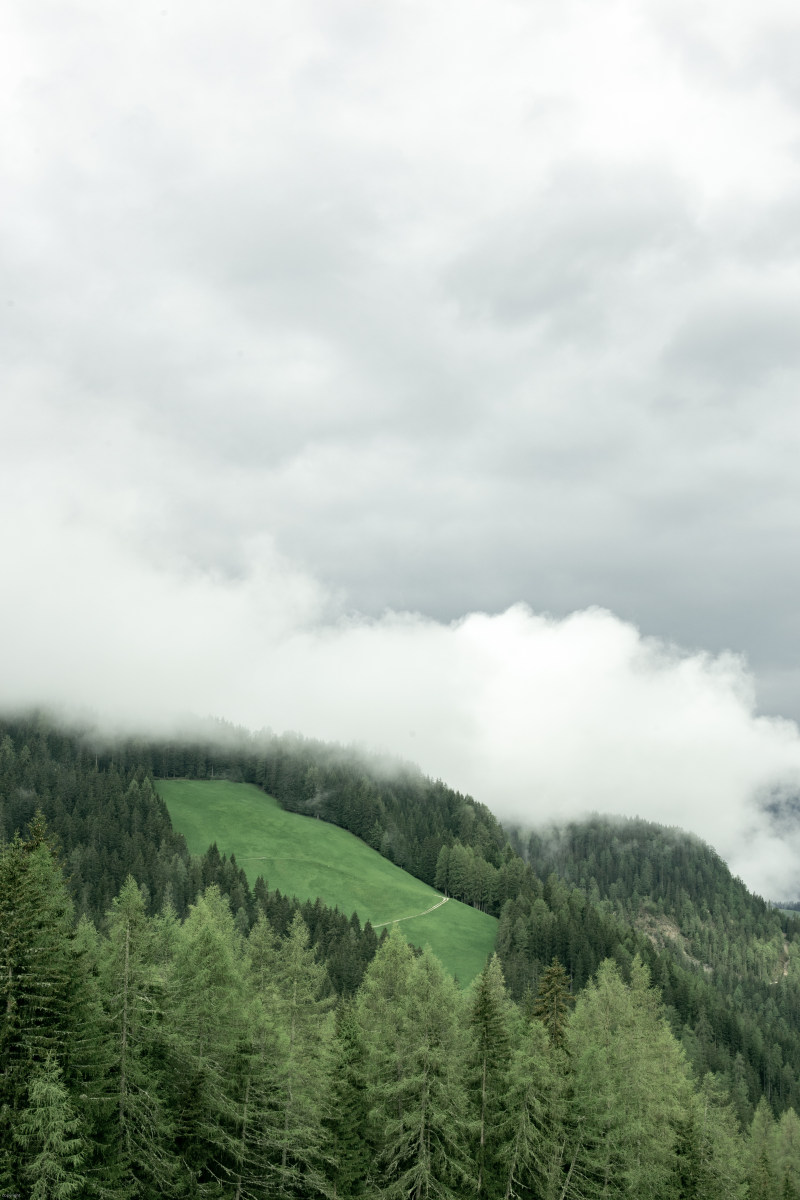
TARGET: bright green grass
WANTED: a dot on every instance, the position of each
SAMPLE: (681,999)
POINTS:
(307,858)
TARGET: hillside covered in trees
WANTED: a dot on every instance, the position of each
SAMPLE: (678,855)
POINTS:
(161,1058)
(638,1032)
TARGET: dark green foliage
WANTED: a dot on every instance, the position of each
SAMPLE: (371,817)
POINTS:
(418,1046)
(491,1025)
(619,1044)
(708,1157)
(42,1017)
(207,1097)
(155,1058)
(727,964)
(104,814)
(347,1122)
(553,1002)
(48,1137)
(138,1129)
(537,1144)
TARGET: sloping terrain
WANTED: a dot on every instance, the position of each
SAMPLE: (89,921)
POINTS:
(307,858)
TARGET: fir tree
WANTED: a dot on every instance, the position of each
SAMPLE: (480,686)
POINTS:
(348,1120)
(49,1139)
(532,1148)
(303,1003)
(553,1002)
(490,1021)
(140,1130)
(40,978)
(620,1044)
(419,1047)
(208,1032)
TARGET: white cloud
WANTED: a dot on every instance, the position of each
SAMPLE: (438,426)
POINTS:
(539,718)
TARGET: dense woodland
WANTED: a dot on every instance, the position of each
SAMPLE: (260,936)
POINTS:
(167,1031)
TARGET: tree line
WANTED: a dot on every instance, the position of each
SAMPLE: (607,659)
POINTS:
(726,963)
(153,1057)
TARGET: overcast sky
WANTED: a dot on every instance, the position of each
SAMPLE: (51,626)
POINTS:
(418,373)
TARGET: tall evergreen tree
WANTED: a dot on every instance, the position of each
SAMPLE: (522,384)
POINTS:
(533,1146)
(48,1136)
(761,1173)
(302,1003)
(553,1002)
(709,1159)
(140,1130)
(347,1122)
(787,1153)
(208,1033)
(620,1044)
(279,1145)
(40,980)
(491,1025)
(419,1045)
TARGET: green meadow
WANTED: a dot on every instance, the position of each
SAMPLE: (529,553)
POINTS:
(305,857)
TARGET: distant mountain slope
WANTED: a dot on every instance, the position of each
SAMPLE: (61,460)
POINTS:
(727,963)
(644,870)
(308,858)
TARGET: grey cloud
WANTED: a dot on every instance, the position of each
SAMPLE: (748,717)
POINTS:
(737,342)
(534,716)
(565,257)
(772,60)
(330,308)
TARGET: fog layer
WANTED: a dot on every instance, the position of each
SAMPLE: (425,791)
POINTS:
(540,718)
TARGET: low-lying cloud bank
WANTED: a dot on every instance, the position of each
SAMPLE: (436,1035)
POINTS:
(539,718)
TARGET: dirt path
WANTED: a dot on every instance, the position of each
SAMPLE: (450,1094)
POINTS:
(397,920)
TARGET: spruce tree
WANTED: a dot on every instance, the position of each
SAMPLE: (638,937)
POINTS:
(709,1159)
(347,1122)
(553,1002)
(140,1131)
(419,1045)
(48,1137)
(491,1025)
(761,1155)
(620,1045)
(41,986)
(301,1004)
(207,1030)
(787,1152)
(280,1143)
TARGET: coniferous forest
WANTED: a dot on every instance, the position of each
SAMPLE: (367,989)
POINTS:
(165,1030)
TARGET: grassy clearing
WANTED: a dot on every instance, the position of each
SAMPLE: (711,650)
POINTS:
(307,858)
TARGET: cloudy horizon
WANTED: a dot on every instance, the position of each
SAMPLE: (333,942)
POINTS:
(416,377)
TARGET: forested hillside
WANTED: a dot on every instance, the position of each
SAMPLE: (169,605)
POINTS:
(160,1058)
(620,905)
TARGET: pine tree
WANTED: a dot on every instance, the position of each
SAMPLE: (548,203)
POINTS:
(441,875)
(140,1130)
(787,1152)
(553,1002)
(413,1020)
(208,1033)
(301,1008)
(491,1022)
(348,1120)
(280,1143)
(533,1139)
(619,1045)
(40,979)
(709,1162)
(49,1139)
(761,1155)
